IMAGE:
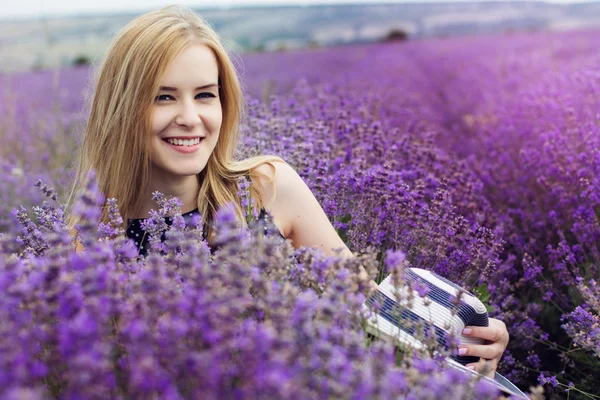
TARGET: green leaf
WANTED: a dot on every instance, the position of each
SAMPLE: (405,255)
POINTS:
(482,293)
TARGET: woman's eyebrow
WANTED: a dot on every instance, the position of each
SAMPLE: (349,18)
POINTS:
(174,89)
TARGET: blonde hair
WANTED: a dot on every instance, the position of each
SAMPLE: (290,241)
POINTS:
(116,143)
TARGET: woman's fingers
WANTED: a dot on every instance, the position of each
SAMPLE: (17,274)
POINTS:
(496,336)
(484,367)
(495,332)
(487,351)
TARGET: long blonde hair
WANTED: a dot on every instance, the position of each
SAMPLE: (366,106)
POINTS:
(116,143)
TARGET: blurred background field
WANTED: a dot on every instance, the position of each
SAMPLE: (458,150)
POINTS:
(481,117)
(46,37)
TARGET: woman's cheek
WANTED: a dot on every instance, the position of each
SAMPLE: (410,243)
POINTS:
(156,121)
(216,118)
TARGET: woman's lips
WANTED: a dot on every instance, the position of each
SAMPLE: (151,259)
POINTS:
(185,149)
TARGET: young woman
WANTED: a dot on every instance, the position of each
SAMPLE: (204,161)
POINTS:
(165,117)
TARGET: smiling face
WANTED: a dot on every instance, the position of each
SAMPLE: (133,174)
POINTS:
(186,116)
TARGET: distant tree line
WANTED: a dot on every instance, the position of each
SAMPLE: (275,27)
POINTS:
(396,35)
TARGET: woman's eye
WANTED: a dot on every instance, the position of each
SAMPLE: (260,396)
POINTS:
(205,95)
(163,97)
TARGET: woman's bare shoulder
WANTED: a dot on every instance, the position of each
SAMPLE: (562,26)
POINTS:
(275,180)
(270,179)
(296,211)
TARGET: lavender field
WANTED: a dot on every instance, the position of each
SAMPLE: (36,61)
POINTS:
(475,157)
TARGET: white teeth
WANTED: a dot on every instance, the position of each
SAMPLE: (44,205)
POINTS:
(184,142)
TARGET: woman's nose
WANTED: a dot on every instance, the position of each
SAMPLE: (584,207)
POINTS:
(189,115)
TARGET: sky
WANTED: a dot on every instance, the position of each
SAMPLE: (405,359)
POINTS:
(38,8)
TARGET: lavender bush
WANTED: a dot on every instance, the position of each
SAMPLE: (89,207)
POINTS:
(253,320)
(476,157)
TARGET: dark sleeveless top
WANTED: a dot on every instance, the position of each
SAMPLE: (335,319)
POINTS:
(139,236)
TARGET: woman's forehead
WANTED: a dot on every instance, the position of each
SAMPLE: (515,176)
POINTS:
(195,65)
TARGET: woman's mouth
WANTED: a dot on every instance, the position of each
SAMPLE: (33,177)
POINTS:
(184,145)
(183,142)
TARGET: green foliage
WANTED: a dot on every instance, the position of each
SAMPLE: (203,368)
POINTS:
(343,233)
(481,292)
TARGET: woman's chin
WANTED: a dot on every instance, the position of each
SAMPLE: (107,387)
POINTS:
(187,169)
(188,173)
(175,174)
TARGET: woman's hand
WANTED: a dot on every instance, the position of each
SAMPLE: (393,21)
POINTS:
(496,340)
